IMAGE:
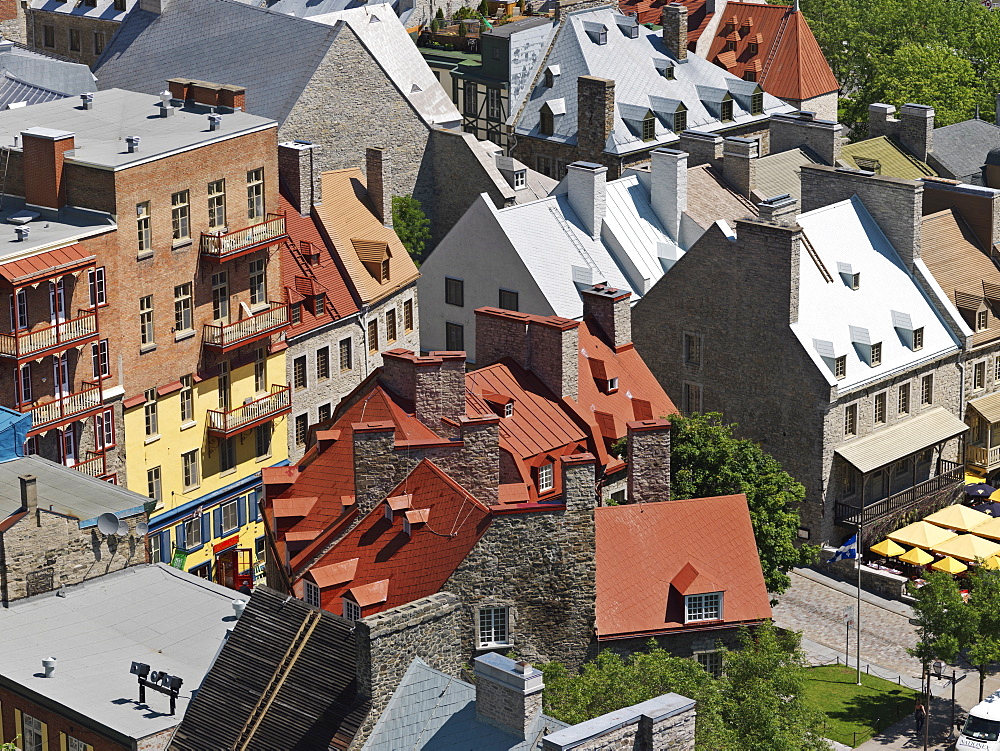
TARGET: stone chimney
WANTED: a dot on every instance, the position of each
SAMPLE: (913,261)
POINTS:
(739,163)
(648,461)
(44,151)
(434,383)
(379,183)
(894,203)
(579,478)
(881,121)
(587,183)
(508,693)
(781,208)
(775,248)
(702,148)
(668,188)
(296,174)
(595,115)
(673,18)
(378,467)
(610,309)
(916,129)
(794,129)
(29,492)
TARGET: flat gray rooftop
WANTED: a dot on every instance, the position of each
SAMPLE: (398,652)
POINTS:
(55,230)
(169,619)
(100,132)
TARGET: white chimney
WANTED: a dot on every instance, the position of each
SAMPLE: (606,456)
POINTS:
(668,189)
(587,186)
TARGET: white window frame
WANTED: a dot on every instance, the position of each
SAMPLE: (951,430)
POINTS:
(546,477)
(155,550)
(310,593)
(229,508)
(192,533)
(493,626)
(508,409)
(711,661)
(104,429)
(97,286)
(32,738)
(190,470)
(258,282)
(702,605)
(351,610)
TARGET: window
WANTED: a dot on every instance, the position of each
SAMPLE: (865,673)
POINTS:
(454,291)
(707,607)
(454,337)
(99,357)
(25,382)
(692,349)
(384,271)
(230,517)
(260,370)
(259,546)
(119,5)
(258,282)
(352,611)
(520,179)
(155,555)
(149,411)
(753,48)
(217,204)
(982,320)
(544,165)
(324,412)
(390,325)
(227,456)
(918,338)
(104,429)
(757,103)
(851,420)
(711,661)
(407,316)
(48,36)
(493,108)
(262,439)
(550,79)
(850,481)
(904,399)
(98,293)
(648,128)
(727,111)
(612,385)
(143,231)
(840,366)
(493,629)
(730,45)
(146,320)
(153,488)
(74,40)
(546,122)
(220,296)
(190,472)
(508,409)
(927,389)
(508,299)
(255,193)
(182,308)
(979,375)
(373,335)
(301,429)
(187,399)
(345,355)
(180,215)
(750,75)
(996,370)
(98,42)
(669,73)
(19,311)
(876,354)
(192,533)
(296,313)
(680,120)
(469,101)
(299,372)
(310,593)
(879,408)
(546,480)
(692,398)
(224,386)
(33,738)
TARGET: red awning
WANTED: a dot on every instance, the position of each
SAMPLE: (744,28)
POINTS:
(47,265)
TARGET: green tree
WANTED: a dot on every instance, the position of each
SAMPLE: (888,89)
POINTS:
(983,633)
(411,225)
(484,8)
(929,74)
(436,25)
(942,619)
(707,460)
(439,14)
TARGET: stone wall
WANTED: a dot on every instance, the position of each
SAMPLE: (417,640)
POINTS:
(882,583)
(88,28)
(680,644)
(665,723)
(792,130)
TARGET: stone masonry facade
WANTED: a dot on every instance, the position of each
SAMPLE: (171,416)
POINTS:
(89,35)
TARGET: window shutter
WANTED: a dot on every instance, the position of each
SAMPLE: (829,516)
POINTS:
(206,531)
(62,741)
(241,512)
(217,519)
(18,723)
(45,736)
(165,552)
(181,538)
(2,736)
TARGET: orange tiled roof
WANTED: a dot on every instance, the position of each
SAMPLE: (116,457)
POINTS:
(649,554)
(650,11)
(789,62)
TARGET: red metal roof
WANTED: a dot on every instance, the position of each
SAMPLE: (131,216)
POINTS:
(650,11)
(49,263)
(788,60)
(650,554)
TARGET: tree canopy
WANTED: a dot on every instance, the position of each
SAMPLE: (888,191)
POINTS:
(754,706)
(411,225)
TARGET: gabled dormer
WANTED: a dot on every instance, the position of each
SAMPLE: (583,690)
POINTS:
(910,334)
(375,255)
(869,351)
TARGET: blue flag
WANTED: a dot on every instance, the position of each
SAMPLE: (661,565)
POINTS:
(848,550)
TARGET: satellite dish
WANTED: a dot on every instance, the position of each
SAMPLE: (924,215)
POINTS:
(141,529)
(107,524)
(122,528)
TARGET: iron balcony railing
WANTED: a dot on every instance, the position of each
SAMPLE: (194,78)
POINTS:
(252,413)
(256,326)
(50,338)
(949,473)
(64,408)
(222,246)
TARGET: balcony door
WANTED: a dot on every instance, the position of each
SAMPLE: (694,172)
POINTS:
(68,444)
(60,374)
(57,302)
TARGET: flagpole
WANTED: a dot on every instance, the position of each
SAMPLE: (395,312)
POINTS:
(857,550)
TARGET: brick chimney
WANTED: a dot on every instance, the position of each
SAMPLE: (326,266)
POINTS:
(435,383)
(794,129)
(587,183)
(379,182)
(668,188)
(44,151)
(508,693)
(648,461)
(595,115)
(673,18)
(295,172)
(739,163)
(611,310)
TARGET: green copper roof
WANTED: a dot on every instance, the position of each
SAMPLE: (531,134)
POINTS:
(892,160)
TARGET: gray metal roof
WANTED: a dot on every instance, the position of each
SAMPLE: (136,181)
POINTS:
(886,446)
(432,710)
(961,149)
(169,619)
(658,708)
(632,65)
(778,174)
(40,77)
(988,406)
(509,29)
(65,490)
(100,132)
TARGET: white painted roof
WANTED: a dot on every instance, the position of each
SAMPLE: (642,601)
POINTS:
(845,233)
(635,234)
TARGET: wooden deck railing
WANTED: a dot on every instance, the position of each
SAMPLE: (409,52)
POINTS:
(220,246)
(254,412)
(225,336)
(27,343)
(949,473)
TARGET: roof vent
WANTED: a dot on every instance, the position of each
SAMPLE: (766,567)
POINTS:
(22,233)
(238,607)
(49,666)
(132,142)
(87,101)
(6,45)
(214,122)
(166,110)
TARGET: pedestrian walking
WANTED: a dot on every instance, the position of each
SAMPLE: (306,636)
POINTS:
(920,716)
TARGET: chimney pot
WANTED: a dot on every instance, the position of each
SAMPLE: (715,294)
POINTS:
(238,607)
(22,233)
(132,142)
(29,492)
(508,693)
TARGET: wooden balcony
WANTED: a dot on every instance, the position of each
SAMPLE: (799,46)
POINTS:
(94,465)
(984,457)
(949,474)
(251,414)
(50,339)
(225,246)
(64,409)
(229,336)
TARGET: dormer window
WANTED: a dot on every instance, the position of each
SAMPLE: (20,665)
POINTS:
(310,593)
(727,111)
(550,76)
(730,45)
(351,611)
(520,179)
(388,512)
(508,409)
(546,123)
(876,354)
(546,478)
(649,127)
(375,256)
(918,338)
(982,320)
(751,75)
(680,120)
(753,47)
(910,335)
(840,367)
(851,277)
(855,280)
(407,529)
(756,100)
(385,271)
(597,32)
(704,607)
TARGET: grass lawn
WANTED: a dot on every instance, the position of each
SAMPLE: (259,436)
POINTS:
(849,708)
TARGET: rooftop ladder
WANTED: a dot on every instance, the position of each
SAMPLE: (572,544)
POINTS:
(774,47)
(575,240)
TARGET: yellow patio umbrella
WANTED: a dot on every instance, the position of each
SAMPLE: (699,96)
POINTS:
(993,562)
(887,549)
(958,517)
(921,535)
(949,565)
(989,528)
(917,557)
(968,547)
